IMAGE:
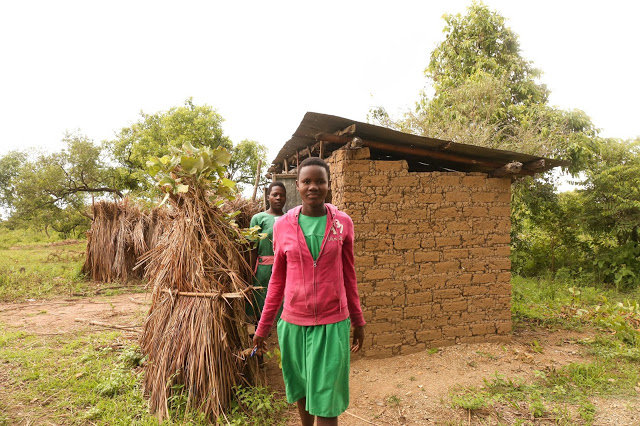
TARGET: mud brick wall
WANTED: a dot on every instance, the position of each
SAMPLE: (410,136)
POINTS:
(431,252)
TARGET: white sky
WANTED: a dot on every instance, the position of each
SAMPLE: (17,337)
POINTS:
(94,66)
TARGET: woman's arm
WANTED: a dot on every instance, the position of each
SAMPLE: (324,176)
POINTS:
(349,274)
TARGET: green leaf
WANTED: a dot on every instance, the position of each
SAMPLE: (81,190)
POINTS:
(164,200)
(188,164)
(228,183)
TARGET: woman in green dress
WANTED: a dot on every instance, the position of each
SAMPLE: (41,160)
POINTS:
(263,255)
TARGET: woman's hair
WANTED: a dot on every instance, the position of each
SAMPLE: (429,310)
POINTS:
(313,161)
(275,183)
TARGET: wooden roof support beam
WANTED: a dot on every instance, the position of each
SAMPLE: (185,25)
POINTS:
(508,169)
(404,149)
(421,152)
(286,166)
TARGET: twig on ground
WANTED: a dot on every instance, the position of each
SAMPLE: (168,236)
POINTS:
(358,417)
(102,324)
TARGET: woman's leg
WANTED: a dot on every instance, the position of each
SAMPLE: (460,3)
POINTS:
(306,418)
(327,421)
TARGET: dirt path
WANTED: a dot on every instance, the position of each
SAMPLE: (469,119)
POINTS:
(409,390)
(59,316)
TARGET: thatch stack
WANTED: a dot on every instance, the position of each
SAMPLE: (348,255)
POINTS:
(195,336)
(120,233)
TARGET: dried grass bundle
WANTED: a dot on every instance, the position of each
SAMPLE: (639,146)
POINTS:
(120,233)
(195,344)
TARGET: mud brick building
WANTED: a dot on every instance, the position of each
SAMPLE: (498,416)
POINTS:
(432,229)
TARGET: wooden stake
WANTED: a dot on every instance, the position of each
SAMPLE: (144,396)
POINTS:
(321,149)
(255,186)
(286,166)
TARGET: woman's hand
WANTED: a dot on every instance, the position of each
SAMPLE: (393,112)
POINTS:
(258,342)
(358,338)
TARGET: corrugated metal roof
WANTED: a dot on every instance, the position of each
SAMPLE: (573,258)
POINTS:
(314,123)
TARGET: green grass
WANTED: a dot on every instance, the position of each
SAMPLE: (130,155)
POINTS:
(612,371)
(96,378)
(71,379)
(34,267)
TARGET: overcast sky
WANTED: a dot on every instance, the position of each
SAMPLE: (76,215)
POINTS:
(94,66)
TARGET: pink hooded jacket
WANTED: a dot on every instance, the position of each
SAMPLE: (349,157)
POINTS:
(323,291)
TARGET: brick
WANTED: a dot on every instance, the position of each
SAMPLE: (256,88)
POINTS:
(450,254)
(447,241)
(503,251)
(428,242)
(499,264)
(478,329)
(428,335)
(484,278)
(501,211)
(484,197)
(378,274)
(449,266)
(390,166)
(389,286)
(357,166)
(380,215)
(459,279)
(471,265)
(428,198)
(443,212)
(378,300)
(406,243)
(389,314)
(403,228)
(364,260)
(448,180)
(419,298)
(456,331)
(457,196)
(475,211)
(460,305)
(381,327)
(433,281)
(503,327)
(375,180)
(446,293)
(474,181)
(356,196)
(419,311)
(386,259)
(504,277)
(378,244)
(411,325)
(499,239)
(474,290)
(388,339)
(413,214)
(427,256)
(405,181)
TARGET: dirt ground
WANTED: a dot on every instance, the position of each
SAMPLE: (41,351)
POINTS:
(410,389)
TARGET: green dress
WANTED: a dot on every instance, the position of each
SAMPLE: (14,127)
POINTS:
(263,273)
(316,358)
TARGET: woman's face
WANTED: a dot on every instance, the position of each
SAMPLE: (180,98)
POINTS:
(277,198)
(313,185)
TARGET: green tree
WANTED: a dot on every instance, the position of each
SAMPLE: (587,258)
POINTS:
(154,134)
(52,190)
(486,93)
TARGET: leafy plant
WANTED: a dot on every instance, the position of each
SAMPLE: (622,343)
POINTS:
(255,406)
